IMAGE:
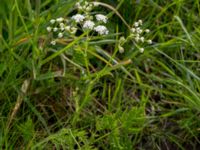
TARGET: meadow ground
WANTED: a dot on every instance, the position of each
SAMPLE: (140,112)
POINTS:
(84,92)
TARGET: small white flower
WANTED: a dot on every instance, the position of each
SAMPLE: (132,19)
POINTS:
(60,35)
(78,18)
(141,50)
(73,30)
(147,30)
(55,29)
(101,30)
(52,21)
(142,39)
(77,4)
(84,7)
(122,40)
(59,19)
(136,24)
(138,30)
(88,8)
(88,25)
(86,3)
(121,49)
(91,5)
(67,28)
(101,17)
(140,22)
(62,28)
(149,41)
(53,42)
(49,29)
(133,30)
(137,38)
(80,7)
(137,35)
(62,25)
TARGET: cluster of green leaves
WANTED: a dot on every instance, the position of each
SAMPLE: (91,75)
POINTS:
(59,98)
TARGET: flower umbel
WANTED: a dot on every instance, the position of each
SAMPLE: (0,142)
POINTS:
(137,35)
(85,20)
(101,29)
(78,18)
(102,18)
(88,25)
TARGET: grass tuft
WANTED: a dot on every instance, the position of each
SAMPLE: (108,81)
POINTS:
(84,94)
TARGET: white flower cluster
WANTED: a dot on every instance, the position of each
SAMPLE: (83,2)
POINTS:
(101,29)
(78,18)
(87,21)
(88,24)
(102,18)
(137,34)
(61,26)
(85,6)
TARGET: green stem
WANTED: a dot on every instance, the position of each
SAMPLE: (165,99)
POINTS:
(85,54)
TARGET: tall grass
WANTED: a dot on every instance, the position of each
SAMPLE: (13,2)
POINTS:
(50,101)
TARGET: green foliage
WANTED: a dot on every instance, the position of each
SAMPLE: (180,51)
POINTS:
(65,139)
(84,94)
(27,130)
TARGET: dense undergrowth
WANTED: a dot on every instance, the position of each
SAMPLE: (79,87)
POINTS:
(54,97)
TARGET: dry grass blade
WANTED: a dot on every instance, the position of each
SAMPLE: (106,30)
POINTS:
(20,98)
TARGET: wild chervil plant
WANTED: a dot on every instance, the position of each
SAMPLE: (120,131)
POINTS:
(93,24)
(83,21)
(68,83)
